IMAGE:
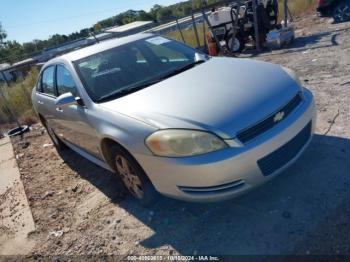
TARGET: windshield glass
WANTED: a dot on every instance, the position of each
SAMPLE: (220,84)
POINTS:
(123,69)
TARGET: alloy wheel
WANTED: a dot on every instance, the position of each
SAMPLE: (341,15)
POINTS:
(130,179)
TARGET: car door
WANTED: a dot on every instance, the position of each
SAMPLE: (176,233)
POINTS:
(46,96)
(73,124)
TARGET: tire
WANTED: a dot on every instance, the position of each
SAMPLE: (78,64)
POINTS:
(60,146)
(133,177)
(341,12)
(235,44)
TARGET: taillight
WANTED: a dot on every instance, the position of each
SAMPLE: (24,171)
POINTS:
(321,2)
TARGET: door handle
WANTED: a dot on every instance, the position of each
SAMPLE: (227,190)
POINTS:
(40,103)
(59,109)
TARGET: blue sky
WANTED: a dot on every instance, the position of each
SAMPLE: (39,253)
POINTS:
(25,20)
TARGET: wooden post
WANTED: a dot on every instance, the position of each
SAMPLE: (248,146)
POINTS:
(195,30)
(256,26)
(178,28)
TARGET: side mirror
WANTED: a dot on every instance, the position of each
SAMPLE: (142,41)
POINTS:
(66,99)
(200,57)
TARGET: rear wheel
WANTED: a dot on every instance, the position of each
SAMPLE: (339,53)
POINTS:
(133,177)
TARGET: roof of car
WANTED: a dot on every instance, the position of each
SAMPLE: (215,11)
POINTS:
(99,47)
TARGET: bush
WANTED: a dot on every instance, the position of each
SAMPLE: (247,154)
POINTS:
(18,96)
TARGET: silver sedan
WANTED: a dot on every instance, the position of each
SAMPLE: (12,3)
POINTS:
(169,119)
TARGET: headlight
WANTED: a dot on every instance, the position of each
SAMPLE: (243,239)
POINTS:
(182,142)
(293,75)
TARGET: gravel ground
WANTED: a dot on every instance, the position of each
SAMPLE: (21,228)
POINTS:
(79,208)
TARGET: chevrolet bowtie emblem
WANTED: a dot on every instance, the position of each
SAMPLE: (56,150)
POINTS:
(278,117)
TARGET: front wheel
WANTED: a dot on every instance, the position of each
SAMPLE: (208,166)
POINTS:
(134,178)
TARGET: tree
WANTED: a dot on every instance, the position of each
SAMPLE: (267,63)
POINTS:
(12,52)
(164,14)
(144,16)
(84,32)
(97,27)
(3,34)
(30,47)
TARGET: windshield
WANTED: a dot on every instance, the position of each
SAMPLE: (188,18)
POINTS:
(130,67)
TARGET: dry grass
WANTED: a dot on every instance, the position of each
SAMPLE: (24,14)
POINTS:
(18,95)
(298,7)
(189,35)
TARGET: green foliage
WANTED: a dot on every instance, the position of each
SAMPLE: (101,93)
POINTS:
(3,34)
(18,96)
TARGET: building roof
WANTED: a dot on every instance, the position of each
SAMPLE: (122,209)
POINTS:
(4,66)
(24,62)
(100,36)
(129,27)
(182,21)
(102,46)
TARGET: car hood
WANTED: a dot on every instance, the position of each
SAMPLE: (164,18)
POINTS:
(222,95)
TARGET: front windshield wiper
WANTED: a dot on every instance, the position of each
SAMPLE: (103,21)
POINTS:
(182,69)
(126,91)
(132,89)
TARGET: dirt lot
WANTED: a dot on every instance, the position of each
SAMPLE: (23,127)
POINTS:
(79,208)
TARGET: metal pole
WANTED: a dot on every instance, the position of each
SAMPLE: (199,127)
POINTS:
(285,13)
(235,20)
(178,27)
(195,30)
(204,41)
(256,26)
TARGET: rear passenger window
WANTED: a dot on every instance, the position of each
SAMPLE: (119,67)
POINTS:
(65,82)
(48,81)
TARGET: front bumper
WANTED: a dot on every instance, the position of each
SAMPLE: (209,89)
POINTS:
(230,172)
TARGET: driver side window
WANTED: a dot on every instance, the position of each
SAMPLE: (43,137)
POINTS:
(65,81)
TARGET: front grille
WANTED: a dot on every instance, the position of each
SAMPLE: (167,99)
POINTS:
(286,153)
(261,127)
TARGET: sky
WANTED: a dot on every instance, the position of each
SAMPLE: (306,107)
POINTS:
(26,20)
